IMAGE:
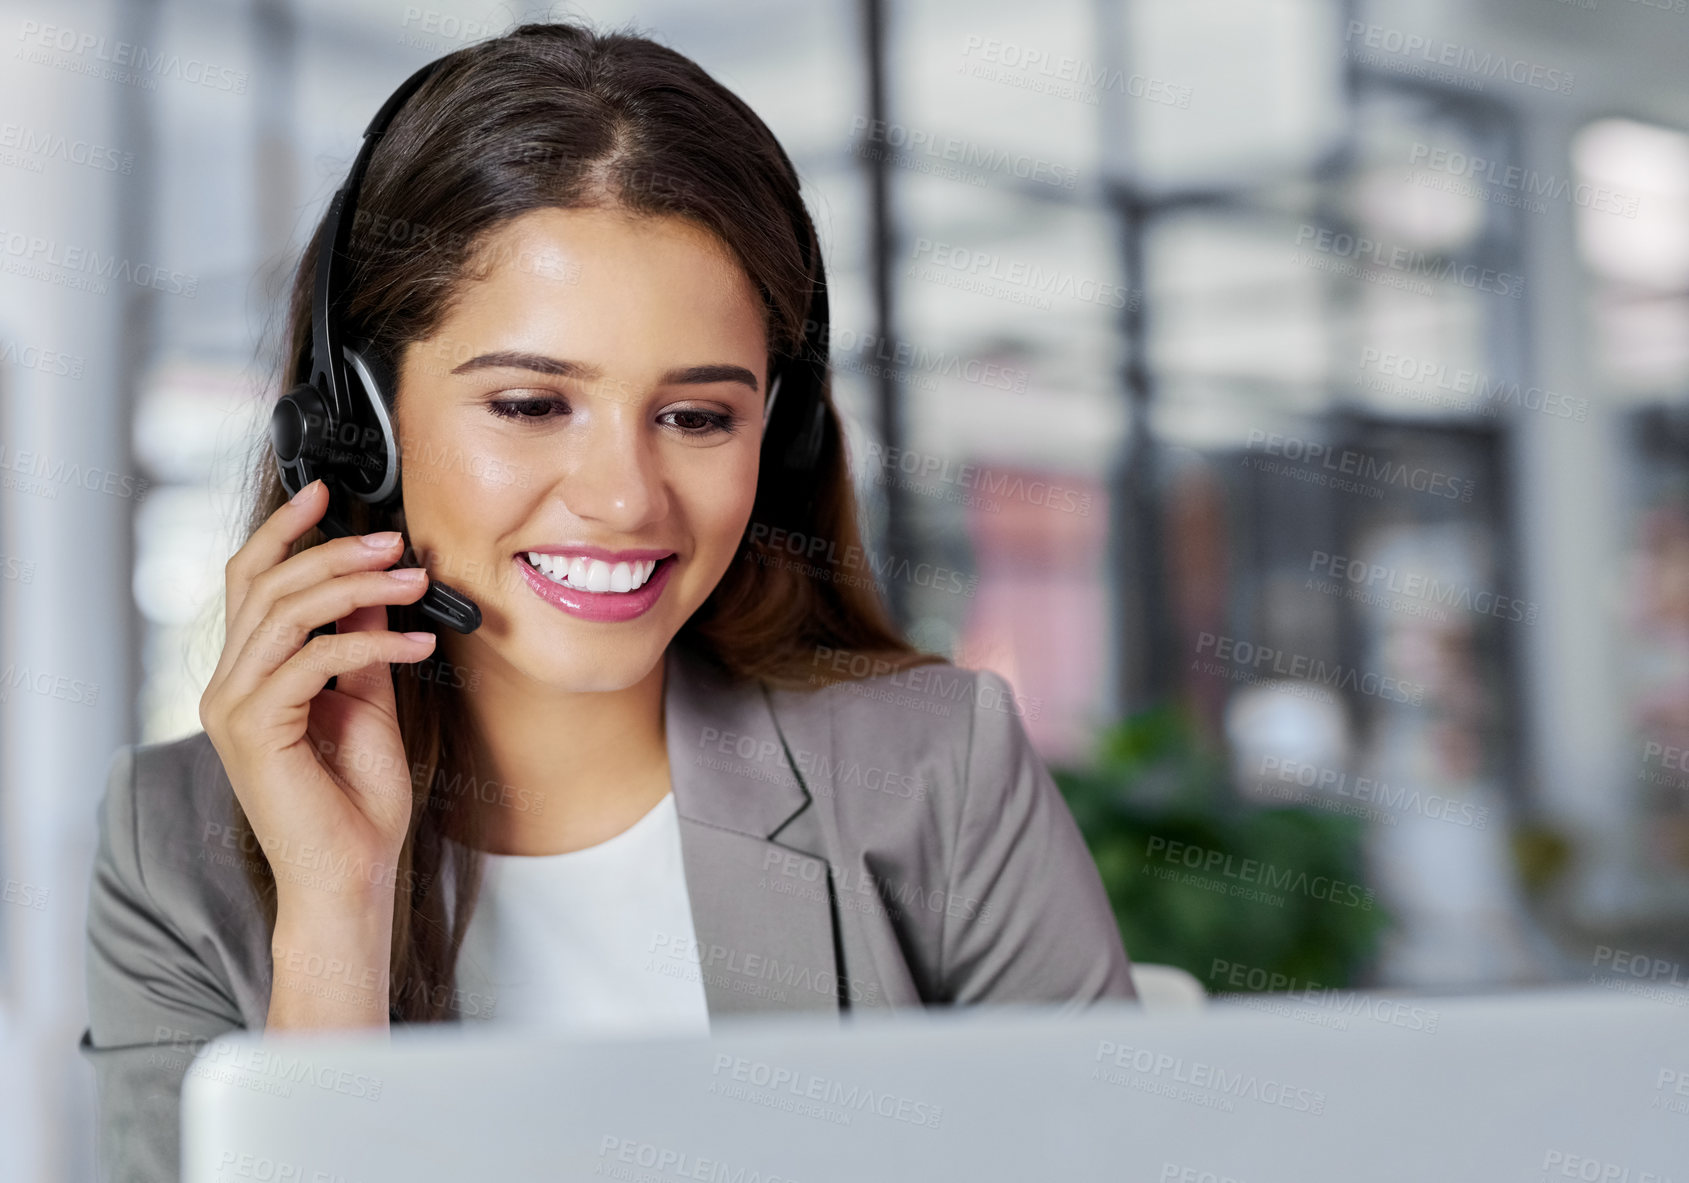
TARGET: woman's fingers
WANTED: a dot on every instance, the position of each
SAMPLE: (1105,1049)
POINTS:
(310,568)
(373,682)
(302,677)
(269,545)
(286,629)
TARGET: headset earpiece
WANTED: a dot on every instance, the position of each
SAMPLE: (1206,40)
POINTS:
(370,392)
(336,424)
(296,435)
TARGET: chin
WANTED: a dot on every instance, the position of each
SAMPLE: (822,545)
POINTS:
(606,664)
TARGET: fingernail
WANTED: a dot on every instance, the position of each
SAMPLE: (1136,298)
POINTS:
(300,496)
(381,541)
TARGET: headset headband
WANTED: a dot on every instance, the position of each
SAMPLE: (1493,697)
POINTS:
(328,366)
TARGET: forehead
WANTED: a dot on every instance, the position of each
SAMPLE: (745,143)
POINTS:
(608,268)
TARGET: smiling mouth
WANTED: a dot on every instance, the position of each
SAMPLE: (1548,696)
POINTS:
(594,575)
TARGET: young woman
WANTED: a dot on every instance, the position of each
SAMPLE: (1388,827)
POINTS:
(685,766)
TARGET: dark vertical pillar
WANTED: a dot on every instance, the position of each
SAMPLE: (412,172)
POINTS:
(882,245)
(136,238)
(1144,634)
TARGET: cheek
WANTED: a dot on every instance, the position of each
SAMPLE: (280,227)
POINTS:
(459,500)
(442,464)
(475,514)
(719,507)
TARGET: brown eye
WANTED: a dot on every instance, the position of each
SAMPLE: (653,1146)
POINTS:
(524,408)
(703,422)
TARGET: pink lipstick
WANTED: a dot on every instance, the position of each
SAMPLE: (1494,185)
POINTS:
(606,606)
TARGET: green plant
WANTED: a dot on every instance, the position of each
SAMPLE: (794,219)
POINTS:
(1157,794)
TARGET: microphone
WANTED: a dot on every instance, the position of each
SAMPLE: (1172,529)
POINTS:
(294,442)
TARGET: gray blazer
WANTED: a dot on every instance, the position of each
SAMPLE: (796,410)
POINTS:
(889,842)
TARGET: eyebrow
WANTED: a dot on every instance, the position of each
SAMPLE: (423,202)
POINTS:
(539,363)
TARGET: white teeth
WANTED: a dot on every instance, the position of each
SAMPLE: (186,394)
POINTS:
(593,575)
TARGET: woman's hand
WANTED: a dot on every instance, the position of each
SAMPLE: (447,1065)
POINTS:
(321,774)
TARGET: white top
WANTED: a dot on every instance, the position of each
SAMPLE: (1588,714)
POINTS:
(595,940)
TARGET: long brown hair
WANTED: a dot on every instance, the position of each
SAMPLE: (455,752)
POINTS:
(559,115)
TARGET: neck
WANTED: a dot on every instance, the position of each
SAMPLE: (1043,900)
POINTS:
(561,771)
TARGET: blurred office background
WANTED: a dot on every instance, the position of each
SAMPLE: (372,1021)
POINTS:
(1355,333)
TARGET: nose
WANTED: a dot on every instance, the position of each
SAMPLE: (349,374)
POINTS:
(616,476)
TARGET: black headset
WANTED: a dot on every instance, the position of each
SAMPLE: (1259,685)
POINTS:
(335,424)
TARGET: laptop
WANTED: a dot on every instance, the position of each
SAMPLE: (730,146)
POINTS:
(1586,1084)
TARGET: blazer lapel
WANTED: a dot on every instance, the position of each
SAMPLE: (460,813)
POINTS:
(761,909)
